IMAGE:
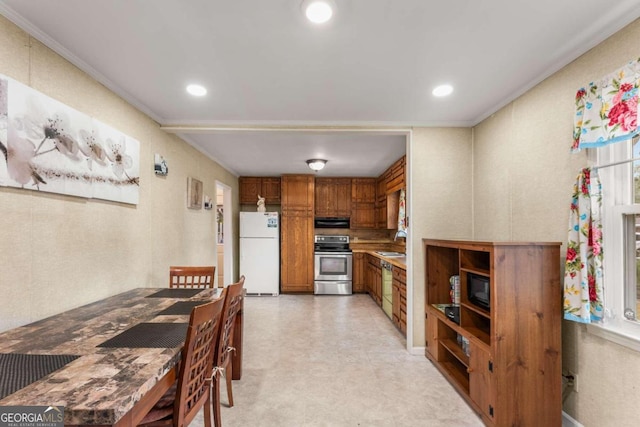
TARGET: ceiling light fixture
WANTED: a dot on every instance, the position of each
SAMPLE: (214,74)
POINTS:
(197,90)
(316,164)
(442,90)
(318,11)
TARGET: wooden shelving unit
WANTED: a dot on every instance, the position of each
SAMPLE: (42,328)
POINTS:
(511,371)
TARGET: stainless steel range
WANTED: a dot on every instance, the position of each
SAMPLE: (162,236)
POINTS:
(333,265)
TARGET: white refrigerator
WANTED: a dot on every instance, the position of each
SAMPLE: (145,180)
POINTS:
(260,252)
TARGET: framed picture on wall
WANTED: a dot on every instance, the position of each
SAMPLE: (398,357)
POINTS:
(194,193)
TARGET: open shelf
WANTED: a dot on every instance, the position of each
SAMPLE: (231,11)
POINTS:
(479,261)
(454,348)
(477,324)
(457,372)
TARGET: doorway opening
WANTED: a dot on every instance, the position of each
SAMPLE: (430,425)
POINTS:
(224,239)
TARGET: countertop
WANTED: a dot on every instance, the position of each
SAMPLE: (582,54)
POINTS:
(400,262)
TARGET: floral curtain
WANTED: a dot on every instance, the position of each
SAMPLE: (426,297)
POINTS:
(402,217)
(607,110)
(583,277)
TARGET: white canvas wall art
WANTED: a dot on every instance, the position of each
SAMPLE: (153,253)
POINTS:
(48,146)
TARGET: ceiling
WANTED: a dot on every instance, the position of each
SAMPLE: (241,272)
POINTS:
(374,66)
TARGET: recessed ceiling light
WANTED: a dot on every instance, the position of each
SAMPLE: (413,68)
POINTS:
(442,90)
(197,90)
(318,11)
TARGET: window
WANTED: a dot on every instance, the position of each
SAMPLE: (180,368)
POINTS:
(621,240)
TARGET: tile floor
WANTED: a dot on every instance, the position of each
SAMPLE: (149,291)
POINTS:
(334,361)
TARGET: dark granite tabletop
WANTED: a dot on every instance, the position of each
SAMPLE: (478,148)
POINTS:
(103,384)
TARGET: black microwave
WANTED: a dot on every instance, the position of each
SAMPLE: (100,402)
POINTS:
(332,222)
(479,290)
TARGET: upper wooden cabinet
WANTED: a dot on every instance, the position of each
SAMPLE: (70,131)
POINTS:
(298,193)
(395,176)
(363,206)
(333,197)
(252,186)
(363,190)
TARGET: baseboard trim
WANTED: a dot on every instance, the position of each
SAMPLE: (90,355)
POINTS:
(568,421)
(417,351)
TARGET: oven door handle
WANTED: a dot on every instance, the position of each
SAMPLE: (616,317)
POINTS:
(334,253)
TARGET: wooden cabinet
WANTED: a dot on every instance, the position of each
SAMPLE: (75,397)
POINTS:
(381,202)
(271,190)
(388,186)
(374,279)
(396,176)
(296,258)
(333,197)
(399,298)
(267,187)
(505,360)
(359,272)
(363,198)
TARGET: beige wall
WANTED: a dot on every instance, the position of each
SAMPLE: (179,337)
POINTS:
(523,178)
(440,200)
(60,252)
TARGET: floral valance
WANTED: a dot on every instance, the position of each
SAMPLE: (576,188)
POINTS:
(607,110)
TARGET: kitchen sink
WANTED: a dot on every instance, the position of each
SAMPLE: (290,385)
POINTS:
(390,254)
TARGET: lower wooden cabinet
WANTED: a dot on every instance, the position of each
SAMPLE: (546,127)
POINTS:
(481,379)
(399,298)
(374,278)
(359,276)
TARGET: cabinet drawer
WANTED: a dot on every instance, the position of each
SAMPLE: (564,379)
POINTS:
(400,274)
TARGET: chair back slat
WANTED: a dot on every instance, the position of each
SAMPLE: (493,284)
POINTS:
(232,301)
(197,361)
(191,277)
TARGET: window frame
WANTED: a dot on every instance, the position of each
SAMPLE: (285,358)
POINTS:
(617,203)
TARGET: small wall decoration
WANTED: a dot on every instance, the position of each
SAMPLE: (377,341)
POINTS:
(194,193)
(48,146)
(160,166)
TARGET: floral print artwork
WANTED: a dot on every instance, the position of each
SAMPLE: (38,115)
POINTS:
(607,110)
(48,146)
(583,276)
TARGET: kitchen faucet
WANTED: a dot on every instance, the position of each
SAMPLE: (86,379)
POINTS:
(400,233)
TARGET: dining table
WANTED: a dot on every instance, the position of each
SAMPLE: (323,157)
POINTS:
(108,362)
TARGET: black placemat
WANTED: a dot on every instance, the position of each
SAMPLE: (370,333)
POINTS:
(150,335)
(181,307)
(19,370)
(175,293)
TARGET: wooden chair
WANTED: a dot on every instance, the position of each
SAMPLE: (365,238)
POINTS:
(223,357)
(191,277)
(192,390)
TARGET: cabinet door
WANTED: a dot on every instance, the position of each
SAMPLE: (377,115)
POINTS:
(481,379)
(271,190)
(378,284)
(343,195)
(359,278)
(431,338)
(297,193)
(363,190)
(395,302)
(296,263)
(250,187)
(323,187)
(363,215)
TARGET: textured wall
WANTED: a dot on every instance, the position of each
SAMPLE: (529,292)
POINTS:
(60,252)
(440,200)
(523,178)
